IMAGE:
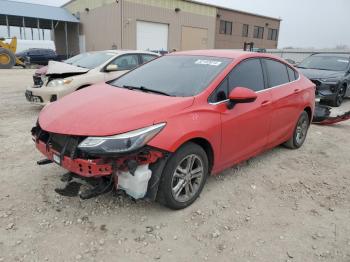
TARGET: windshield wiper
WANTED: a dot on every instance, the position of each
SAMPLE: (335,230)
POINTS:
(145,89)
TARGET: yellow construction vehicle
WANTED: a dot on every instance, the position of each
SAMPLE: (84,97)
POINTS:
(8,54)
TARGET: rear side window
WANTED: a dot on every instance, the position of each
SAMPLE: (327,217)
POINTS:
(247,74)
(277,72)
(147,58)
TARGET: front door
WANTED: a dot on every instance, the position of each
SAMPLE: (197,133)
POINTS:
(245,127)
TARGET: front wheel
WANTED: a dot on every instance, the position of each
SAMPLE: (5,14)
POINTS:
(300,132)
(338,100)
(183,177)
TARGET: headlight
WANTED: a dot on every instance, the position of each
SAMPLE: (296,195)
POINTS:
(330,80)
(121,143)
(59,82)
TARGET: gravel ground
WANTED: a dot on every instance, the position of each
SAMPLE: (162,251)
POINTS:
(284,205)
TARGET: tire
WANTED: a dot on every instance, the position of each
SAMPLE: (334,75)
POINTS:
(301,128)
(176,182)
(7,59)
(338,100)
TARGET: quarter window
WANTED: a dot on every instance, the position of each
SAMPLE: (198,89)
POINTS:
(247,74)
(225,27)
(291,74)
(258,32)
(220,93)
(276,72)
(147,58)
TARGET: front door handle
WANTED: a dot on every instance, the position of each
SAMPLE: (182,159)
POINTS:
(297,90)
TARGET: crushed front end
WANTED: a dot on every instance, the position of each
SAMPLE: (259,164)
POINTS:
(104,170)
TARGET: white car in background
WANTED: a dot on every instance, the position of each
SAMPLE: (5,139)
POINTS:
(62,78)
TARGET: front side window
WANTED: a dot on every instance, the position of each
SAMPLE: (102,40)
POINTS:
(332,63)
(247,74)
(277,73)
(175,75)
(126,62)
(225,27)
(258,32)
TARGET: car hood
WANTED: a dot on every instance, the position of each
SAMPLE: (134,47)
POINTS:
(59,68)
(41,71)
(317,74)
(103,110)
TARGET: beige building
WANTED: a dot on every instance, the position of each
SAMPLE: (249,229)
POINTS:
(165,25)
(233,28)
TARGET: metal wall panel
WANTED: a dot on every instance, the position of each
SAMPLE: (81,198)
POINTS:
(194,38)
(199,9)
(102,27)
(175,20)
(80,5)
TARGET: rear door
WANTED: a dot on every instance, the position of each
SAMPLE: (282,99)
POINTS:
(285,100)
(245,128)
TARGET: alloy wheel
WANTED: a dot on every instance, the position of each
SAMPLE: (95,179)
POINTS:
(301,130)
(187,178)
(340,96)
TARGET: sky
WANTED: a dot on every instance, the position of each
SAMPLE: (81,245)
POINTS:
(305,23)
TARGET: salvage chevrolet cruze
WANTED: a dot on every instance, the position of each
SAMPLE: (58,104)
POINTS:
(158,131)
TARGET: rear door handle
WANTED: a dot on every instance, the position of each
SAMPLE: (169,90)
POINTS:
(265,103)
(297,90)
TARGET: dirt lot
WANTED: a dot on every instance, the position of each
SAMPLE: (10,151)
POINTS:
(284,205)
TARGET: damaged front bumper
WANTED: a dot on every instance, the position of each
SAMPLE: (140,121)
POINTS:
(325,91)
(63,150)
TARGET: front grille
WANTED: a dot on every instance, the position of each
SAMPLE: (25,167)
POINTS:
(66,145)
(37,80)
(316,82)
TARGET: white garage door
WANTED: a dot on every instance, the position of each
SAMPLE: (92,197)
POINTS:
(151,36)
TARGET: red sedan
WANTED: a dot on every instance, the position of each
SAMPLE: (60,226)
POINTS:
(158,131)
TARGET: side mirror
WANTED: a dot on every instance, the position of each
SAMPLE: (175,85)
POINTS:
(241,95)
(111,68)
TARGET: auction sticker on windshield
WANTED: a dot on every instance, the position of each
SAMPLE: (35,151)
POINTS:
(207,62)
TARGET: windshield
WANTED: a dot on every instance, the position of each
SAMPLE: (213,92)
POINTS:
(90,60)
(174,75)
(332,63)
(74,58)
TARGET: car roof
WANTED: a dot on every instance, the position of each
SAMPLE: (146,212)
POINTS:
(124,51)
(224,53)
(332,54)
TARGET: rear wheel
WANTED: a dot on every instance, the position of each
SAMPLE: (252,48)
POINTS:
(183,177)
(300,132)
(7,59)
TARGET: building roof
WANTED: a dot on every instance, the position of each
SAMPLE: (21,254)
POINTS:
(13,8)
(231,9)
